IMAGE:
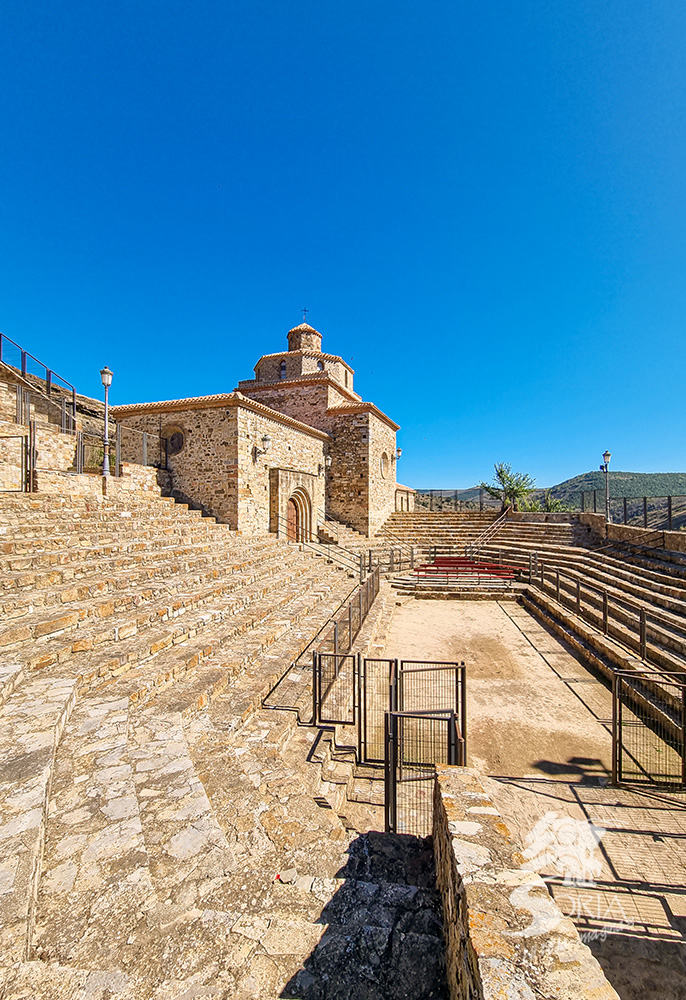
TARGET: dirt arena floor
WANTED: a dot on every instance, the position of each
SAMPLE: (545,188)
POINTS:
(539,724)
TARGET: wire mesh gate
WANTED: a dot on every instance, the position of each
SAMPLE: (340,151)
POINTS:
(648,726)
(334,688)
(414,743)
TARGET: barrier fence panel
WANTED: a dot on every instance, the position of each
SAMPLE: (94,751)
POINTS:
(378,694)
(414,742)
(648,726)
(335,688)
(425,686)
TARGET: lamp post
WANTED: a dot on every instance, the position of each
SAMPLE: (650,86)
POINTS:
(106,379)
(605,467)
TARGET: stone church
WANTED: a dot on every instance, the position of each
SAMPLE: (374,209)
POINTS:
(285,449)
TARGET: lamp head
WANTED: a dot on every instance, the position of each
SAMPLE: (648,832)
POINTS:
(606,457)
(266,443)
(106,377)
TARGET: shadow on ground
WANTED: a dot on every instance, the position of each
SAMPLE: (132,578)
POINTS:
(384,937)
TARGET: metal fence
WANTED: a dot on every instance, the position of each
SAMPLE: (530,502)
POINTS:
(33,371)
(139,448)
(641,628)
(414,743)
(15,456)
(666,513)
(470,499)
(648,726)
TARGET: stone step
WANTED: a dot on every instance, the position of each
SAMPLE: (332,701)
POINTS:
(103,651)
(61,555)
(31,724)
(183,853)
(152,563)
(82,615)
(122,586)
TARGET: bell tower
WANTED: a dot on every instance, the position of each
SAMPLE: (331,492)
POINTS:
(305,338)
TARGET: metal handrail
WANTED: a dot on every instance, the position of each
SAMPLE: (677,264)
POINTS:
(50,374)
(645,617)
(345,558)
(475,547)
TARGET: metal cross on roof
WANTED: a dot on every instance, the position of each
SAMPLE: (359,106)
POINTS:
(305,312)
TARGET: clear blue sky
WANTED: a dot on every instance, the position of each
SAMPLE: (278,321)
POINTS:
(482,203)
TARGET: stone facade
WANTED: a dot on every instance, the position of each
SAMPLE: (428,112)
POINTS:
(221,465)
(330,451)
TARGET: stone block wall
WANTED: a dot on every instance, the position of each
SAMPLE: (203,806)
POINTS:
(295,452)
(347,485)
(674,541)
(382,473)
(220,467)
(505,935)
(205,470)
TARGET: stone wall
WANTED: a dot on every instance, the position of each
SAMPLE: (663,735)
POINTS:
(205,470)
(505,935)
(347,482)
(290,450)
(674,541)
(219,466)
(382,467)
(300,363)
(307,401)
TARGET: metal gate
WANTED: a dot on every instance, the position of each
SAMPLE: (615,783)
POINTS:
(378,694)
(414,743)
(425,686)
(648,726)
(334,688)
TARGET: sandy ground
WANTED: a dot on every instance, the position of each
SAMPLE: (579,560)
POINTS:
(539,723)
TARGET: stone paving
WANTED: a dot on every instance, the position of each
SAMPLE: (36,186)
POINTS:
(162,835)
(540,726)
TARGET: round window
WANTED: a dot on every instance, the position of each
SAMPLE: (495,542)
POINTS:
(176,439)
(384,465)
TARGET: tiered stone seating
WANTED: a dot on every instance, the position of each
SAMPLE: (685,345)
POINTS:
(146,805)
(446,532)
(634,578)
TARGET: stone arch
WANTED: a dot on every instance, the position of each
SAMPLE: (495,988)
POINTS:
(299,516)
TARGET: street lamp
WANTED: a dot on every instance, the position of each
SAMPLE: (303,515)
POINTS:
(605,467)
(106,379)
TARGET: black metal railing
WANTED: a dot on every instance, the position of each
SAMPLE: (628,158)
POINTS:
(664,513)
(648,727)
(639,627)
(38,375)
(473,550)
(471,499)
(415,742)
(138,448)
(352,562)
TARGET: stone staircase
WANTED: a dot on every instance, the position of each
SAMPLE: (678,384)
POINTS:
(162,835)
(424,530)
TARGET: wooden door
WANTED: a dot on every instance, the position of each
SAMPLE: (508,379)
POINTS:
(292,521)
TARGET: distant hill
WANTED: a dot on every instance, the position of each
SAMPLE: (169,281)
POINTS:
(622,484)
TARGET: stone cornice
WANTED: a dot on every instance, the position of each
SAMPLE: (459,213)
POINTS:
(224,400)
(309,378)
(307,354)
(363,408)
(405,489)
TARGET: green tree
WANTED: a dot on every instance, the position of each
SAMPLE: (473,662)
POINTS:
(511,488)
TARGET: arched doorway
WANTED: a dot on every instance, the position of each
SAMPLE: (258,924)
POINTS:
(292,521)
(299,516)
